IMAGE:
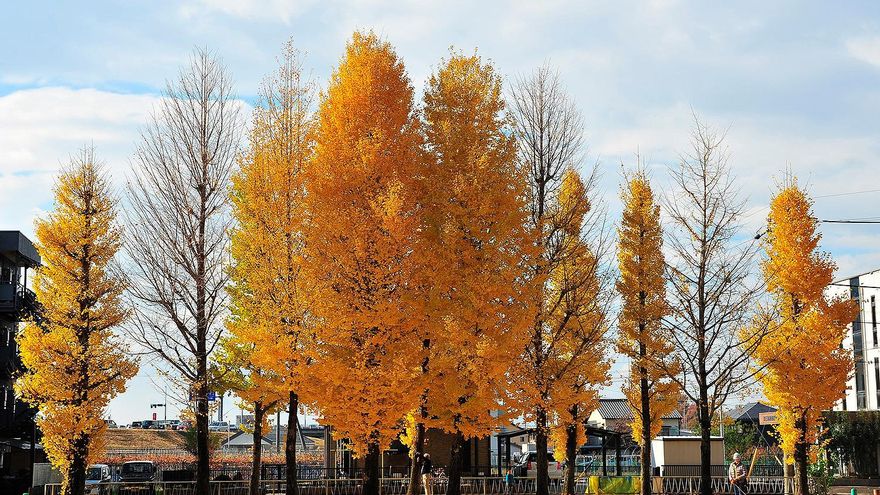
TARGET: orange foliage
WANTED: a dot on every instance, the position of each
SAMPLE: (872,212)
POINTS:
(360,241)
(642,289)
(806,367)
(474,246)
(74,365)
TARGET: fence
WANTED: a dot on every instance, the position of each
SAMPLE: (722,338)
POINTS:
(668,485)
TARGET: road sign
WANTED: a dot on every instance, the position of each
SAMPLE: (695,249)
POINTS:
(212,396)
(767,418)
(154,416)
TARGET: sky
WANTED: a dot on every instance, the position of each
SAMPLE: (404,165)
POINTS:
(796,86)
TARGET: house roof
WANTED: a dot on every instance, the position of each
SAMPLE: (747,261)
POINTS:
(242,439)
(619,409)
(749,411)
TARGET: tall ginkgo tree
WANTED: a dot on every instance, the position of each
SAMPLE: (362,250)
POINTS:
(650,393)
(74,364)
(577,303)
(360,247)
(805,367)
(475,244)
(269,300)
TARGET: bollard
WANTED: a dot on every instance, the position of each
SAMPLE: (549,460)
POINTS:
(852,491)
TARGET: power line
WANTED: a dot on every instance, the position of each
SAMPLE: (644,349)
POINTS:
(847,193)
(850,221)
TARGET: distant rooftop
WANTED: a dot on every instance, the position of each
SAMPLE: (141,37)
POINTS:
(619,409)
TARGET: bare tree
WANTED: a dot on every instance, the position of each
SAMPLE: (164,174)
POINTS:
(712,287)
(549,132)
(177,238)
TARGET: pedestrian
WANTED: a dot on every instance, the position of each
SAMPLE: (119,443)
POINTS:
(737,476)
(508,482)
(427,474)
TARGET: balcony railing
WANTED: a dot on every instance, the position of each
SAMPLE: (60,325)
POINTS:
(16,298)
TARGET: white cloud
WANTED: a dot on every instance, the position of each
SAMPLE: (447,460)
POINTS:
(866,49)
(41,128)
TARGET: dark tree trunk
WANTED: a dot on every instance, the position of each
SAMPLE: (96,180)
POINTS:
(256,463)
(419,444)
(203,473)
(454,486)
(801,458)
(371,469)
(645,407)
(542,482)
(290,446)
(571,446)
(416,465)
(76,472)
(705,450)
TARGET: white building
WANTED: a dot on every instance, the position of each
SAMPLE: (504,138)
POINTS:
(863,388)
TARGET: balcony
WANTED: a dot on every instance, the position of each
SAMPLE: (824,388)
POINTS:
(17,300)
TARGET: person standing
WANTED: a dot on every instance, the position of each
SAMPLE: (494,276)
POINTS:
(737,476)
(427,474)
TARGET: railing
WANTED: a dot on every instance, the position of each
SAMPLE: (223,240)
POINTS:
(668,485)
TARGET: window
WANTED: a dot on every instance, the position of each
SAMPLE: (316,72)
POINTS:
(874,320)
(877,380)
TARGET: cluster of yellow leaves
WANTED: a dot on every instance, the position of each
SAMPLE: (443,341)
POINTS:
(806,367)
(360,242)
(73,363)
(269,335)
(474,246)
(642,289)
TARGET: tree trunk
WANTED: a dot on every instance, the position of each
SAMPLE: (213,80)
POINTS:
(203,466)
(571,446)
(256,463)
(290,446)
(371,469)
(646,423)
(76,471)
(454,486)
(705,450)
(542,481)
(801,458)
(416,465)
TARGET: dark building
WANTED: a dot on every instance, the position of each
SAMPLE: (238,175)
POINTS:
(18,258)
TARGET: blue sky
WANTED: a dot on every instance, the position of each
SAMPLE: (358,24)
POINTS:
(796,83)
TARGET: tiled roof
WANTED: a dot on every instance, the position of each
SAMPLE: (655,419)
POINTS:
(619,409)
(749,411)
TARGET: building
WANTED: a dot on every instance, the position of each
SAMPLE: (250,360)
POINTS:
(748,415)
(18,258)
(863,392)
(615,415)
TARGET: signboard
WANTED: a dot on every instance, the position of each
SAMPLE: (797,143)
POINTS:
(212,396)
(154,416)
(767,418)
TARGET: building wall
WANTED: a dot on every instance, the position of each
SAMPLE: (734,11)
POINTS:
(863,341)
(438,445)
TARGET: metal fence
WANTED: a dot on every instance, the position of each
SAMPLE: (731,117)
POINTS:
(667,485)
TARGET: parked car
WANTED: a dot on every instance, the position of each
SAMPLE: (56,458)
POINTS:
(527,466)
(97,473)
(185,425)
(135,475)
(171,424)
(219,426)
(150,424)
(110,423)
(135,425)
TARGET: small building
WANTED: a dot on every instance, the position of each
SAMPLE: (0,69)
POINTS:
(18,447)
(243,442)
(615,415)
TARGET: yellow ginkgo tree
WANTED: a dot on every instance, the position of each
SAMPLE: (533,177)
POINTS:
(649,392)
(473,247)
(360,247)
(805,367)
(74,364)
